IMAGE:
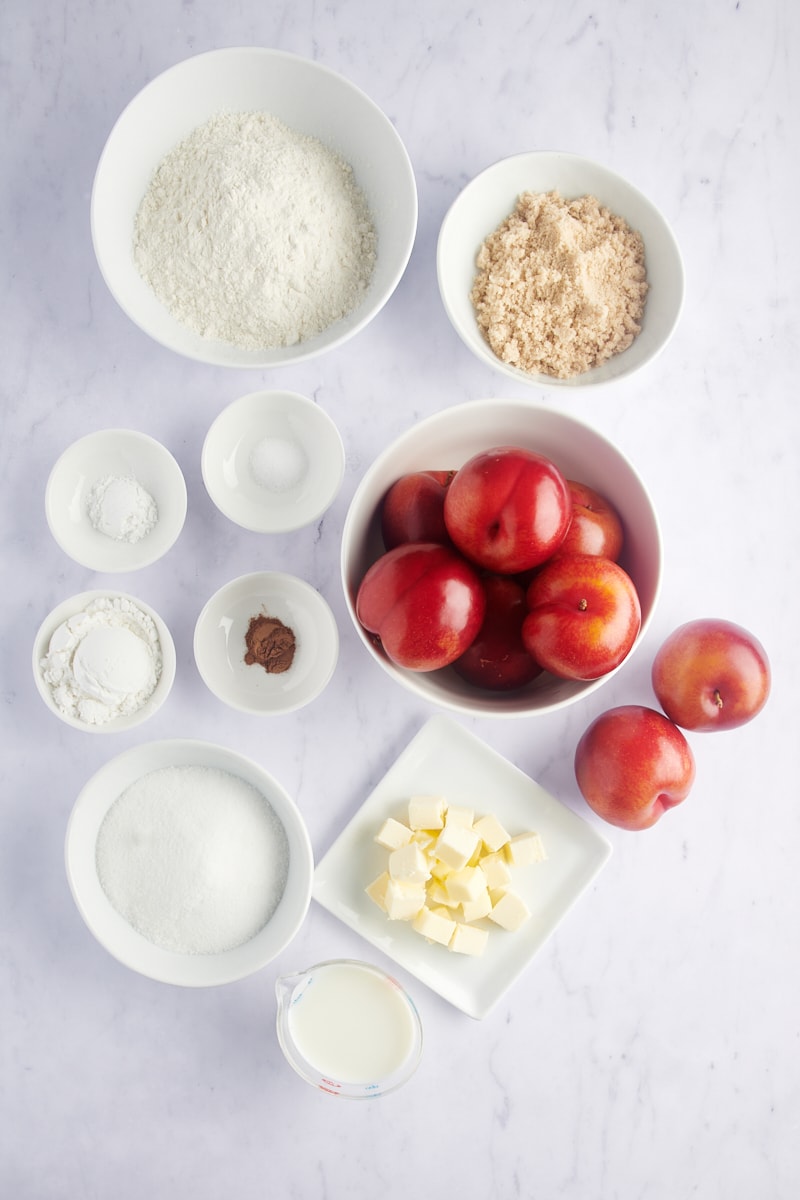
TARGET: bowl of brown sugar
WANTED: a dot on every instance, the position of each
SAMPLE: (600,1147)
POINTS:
(558,272)
(266,643)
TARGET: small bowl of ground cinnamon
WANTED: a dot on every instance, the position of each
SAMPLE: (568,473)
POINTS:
(558,272)
(266,643)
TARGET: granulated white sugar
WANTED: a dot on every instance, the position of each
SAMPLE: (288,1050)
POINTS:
(194,858)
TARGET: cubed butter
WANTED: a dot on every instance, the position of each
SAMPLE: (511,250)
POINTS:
(435,924)
(496,869)
(455,846)
(510,911)
(481,906)
(426,812)
(408,864)
(491,832)
(403,900)
(524,849)
(466,884)
(457,814)
(377,890)
(438,894)
(393,834)
(468,939)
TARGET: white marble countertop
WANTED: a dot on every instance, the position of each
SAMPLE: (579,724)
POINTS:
(651,1049)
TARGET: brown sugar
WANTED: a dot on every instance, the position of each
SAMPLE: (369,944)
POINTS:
(561,285)
(270,644)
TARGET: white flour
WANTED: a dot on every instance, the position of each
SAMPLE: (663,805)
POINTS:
(254,234)
(103,662)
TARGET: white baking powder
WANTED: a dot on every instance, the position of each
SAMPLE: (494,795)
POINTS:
(103,662)
(254,234)
(194,858)
(121,508)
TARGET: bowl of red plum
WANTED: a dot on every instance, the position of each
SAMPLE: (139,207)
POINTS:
(501,559)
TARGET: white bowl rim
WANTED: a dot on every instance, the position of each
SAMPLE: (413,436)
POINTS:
(140,557)
(319,416)
(414,681)
(322,611)
(288,807)
(74,604)
(206,352)
(598,376)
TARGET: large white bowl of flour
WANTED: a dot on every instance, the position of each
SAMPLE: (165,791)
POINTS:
(252,208)
(188,862)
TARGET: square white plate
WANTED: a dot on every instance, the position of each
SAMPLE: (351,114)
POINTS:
(446,759)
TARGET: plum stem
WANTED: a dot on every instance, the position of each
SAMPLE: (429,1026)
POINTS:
(718,698)
(583,604)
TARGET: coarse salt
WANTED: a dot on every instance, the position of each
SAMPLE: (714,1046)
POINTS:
(194,858)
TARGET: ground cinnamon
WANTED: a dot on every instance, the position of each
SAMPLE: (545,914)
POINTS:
(270,644)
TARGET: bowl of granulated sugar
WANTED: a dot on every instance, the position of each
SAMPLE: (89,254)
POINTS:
(252,208)
(188,862)
(558,272)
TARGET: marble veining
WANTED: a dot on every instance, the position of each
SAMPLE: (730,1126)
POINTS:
(651,1050)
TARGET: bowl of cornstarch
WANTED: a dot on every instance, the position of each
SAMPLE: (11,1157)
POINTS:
(115,500)
(558,272)
(252,208)
(103,661)
(188,862)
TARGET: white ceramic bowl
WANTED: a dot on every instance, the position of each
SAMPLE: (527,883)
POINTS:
(116,452)
(491,197)
(70,608)
(446,441)
(304,95)
(273,461)
(219,643)
(113,931)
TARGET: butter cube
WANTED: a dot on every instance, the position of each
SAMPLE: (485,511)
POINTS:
(426,812)
(424,839)
(510,911)
(491,832)
(403,900)
(466,884)
(435,924)
(458,815)
(468,939)
(377,890)
(408,864)
(439,895)
(455,846)
(496,869)
(393,834)
(481,906)
(524,849)
(439,869)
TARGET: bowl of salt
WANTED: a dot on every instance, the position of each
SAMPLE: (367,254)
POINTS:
(188,862)
(273,461)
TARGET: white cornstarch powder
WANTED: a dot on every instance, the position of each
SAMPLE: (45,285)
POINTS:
(254,234)
(194,858)
(121,508)
(103,662)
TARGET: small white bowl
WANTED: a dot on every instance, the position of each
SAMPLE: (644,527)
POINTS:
(69,608)
(113,931)
(116,452)
(273,461)
(446,441)
(220,647)
(491,197)
(310,99)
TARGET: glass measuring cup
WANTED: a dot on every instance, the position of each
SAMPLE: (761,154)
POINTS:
(348,1028)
